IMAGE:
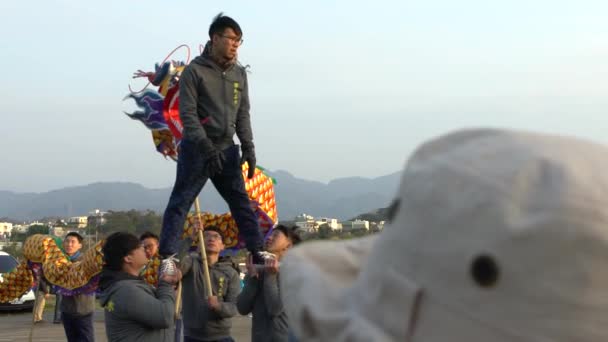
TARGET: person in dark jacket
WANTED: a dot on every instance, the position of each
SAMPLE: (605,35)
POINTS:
(214,105)
(209,319)
(77,310)
(261,294)
(134,310)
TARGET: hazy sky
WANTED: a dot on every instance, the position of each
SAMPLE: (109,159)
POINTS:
(338,88)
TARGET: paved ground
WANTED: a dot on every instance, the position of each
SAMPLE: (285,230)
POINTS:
(16,326)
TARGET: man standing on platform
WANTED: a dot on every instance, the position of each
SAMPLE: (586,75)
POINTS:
(214,105)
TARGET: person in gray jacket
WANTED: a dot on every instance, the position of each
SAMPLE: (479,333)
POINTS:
(134,310)
(209,319)
(261,294)
(76,309)
(214,105)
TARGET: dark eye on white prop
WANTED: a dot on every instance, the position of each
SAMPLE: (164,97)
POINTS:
(392,210)
(484,271)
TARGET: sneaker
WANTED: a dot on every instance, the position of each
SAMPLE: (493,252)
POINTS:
(168,266)
(261,256)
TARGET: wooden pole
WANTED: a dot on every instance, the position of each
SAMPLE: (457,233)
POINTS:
(178,300)
(201,248)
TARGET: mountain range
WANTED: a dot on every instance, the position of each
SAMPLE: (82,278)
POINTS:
(342,198)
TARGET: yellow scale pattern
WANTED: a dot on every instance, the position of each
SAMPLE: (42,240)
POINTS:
(16,283)
(151,272)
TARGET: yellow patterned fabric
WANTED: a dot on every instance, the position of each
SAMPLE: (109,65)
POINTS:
(57,268)
(16,283)
(261,189)
(224,222)
(150,274)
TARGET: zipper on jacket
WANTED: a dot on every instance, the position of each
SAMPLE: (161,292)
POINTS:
(226,116)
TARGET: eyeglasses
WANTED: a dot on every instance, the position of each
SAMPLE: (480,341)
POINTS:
(212,236)
(234,40)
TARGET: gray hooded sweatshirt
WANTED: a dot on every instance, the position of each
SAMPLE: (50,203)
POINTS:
(136,311)
(201,322)
(214,103)
(261,296)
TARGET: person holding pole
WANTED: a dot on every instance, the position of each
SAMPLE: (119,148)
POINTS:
(209,309)
(214,106)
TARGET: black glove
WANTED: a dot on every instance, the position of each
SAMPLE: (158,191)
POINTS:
(214,159)
(248,155)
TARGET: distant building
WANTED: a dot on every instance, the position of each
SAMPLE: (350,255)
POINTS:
(78,221)
(60,223)
(307,226)
(97,212)
(332,223)
(360,224)
(20,228)
(376,226)
(6,229)
(305,223)
(355,225)
(303,217)
(96,217)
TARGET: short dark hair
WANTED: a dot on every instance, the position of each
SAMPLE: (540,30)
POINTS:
(221,22)
(147,235)
(117,246)
(290,233)
(76,235)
